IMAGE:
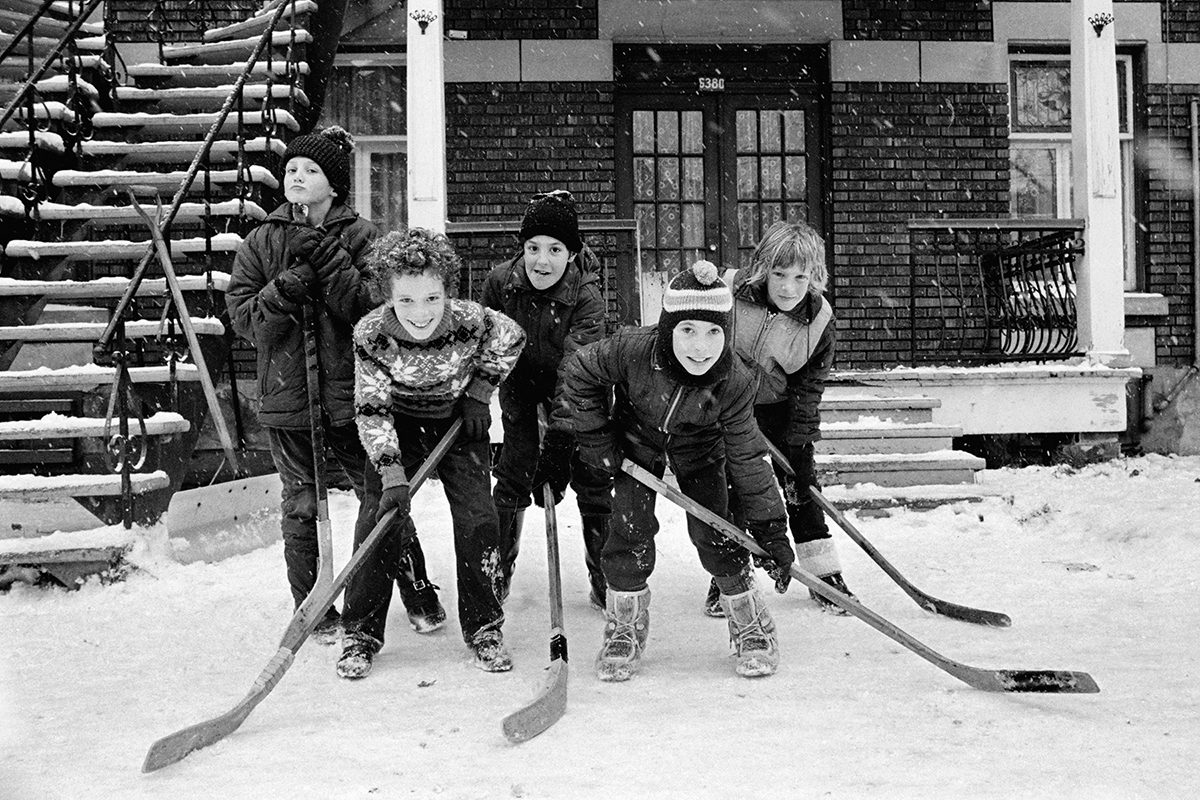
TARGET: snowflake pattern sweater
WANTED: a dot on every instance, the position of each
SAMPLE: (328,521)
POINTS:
(472,350)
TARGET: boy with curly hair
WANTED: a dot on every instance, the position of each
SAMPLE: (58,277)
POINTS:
(421,359)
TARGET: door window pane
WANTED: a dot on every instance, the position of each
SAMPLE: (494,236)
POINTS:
(1034,181)
(793,131)
(388,184)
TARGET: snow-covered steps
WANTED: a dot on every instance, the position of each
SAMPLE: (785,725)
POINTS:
(47,487)
(19,140)
(255,25)
(91,331)
(220,52)
(15,14)
(100,215)
(59,426)
(90,376)
(876,500)
(106,287)
(180,124)
(15,170)
(222,150)
(54,85)
(164,183)
(116,249)
(43,111)
(899,469)
(872,435)
(192,97)
(155,74)
(849,407)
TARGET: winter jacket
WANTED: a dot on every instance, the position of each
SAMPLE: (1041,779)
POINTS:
(693,425)
(472,349)
(557,322)
(274,324)
(791,353)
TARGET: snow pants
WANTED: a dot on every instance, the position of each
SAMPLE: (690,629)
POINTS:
(465,478)
(292,453)
(805,518)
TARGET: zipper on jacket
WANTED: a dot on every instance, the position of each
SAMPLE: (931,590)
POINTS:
(662,426)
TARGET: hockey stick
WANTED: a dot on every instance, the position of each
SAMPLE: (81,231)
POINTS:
(928,602)
(178,745)
(990,680)
(551,703)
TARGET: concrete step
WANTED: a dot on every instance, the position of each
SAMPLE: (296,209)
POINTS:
(153,74)
(91,331)
(57,426)
(258,23)
(106,287)
(163,151)
(115,249)
(46,487)
(849,407)
(871,435)
(230,49)
(899,469)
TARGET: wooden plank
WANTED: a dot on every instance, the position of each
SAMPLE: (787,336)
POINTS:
(62,556)
(158,180)
(56,426)
(48,405)
(90,331)
(151,70)
(15,381)
(258,23)
(233,46)
(185,150)
(197,121)
(46,487)
(124,215)
(106,287)
(208,94)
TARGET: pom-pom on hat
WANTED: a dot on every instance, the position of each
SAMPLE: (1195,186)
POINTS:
(697,293)
(552,214)
(330,149)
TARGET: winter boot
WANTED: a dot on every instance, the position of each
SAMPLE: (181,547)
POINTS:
(511,522)
(595,531)
(752,633)
(329,630)
(490,653)
(834,580)
(712,601)
(425,611)
(356,657)
(628,615)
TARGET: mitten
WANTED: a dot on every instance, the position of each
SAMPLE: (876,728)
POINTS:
(295,284)
(772,537)
(553,466)
(476,419)
(601,452)
(397,497)
(302,240)
(325,258)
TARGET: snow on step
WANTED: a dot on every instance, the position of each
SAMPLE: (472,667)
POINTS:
(114,248)
(44,110)
(209,94)
(91,331)
(153,70)
(106,287)
(41,139)
(179,150)
(865,496)
(871,434)
(123,215)
(59,426)
(158,180)
(46,487)
(15,170)
(278,39)
(198,120)
(258,22)
(955,459)
(88,376)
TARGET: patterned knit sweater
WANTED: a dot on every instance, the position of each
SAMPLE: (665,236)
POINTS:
(470,352)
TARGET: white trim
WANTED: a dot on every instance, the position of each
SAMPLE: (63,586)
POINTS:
(370,60)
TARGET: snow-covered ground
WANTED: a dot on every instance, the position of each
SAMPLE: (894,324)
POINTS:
(1098,570)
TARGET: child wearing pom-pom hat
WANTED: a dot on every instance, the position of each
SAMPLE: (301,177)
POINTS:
(311,251)
(682,398)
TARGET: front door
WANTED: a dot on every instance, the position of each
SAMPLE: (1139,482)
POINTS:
(704,174)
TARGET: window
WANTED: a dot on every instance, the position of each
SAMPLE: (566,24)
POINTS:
(1040,143)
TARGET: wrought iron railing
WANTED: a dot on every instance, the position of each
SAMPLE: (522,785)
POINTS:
(992,290)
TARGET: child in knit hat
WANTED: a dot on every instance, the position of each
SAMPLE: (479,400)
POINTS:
(310,252)
(681,398)
(421,359)
(552,289)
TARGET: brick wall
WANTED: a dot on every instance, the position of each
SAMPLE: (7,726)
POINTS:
(523,19)
(1181,21)
(954,20)
(177,20)
(902,151)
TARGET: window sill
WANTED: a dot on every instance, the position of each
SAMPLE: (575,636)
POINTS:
(1146,304)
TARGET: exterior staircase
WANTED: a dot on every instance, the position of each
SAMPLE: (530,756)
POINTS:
(114,430)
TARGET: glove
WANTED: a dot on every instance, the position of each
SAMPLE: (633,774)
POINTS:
(780,554)
(601,453)
(296,284)
(324,258)
(553,466)
(302,240)
(476,419)
(397,497)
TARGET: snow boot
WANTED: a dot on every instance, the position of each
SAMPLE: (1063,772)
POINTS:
(595,531)
(712,601)
(426,613)
(329,630)
(511,522)
(490,653)
(834,580)
(752,633)
(357,656)
(628,615)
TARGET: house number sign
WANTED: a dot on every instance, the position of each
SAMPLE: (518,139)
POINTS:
(712,84)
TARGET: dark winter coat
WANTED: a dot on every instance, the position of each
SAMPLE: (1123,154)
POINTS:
(695,425)
(274,324)
(557,322)
(790,352)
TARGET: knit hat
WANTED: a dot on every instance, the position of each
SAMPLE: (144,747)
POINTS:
(697,293)
(552,214)
(330,149)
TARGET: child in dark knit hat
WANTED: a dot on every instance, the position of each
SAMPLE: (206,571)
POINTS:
(681,398)
(421,359)
(310,251)
(552,289)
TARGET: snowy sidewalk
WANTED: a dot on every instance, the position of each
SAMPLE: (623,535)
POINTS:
(1098,570)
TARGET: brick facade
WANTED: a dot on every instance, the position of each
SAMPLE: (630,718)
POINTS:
(945,20)
(902,151)
(176,20)
(523,19)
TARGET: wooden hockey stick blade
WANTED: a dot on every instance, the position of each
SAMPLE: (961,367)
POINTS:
(991,680)
(926,601)
(176,746)
(551,702)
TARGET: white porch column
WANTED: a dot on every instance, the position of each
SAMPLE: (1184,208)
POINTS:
(426,117)
(1096,188)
